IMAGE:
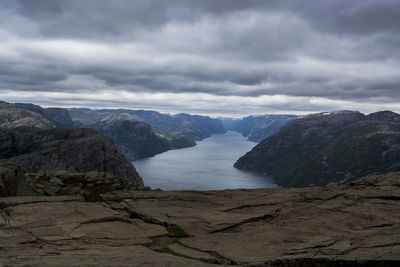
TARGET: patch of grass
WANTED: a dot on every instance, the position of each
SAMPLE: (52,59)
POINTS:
(176,231)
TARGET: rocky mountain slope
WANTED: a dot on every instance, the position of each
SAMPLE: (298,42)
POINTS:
(31,141)
(75,150)
(134,137)
(59,116)
(12,117)
(350,225)
(327,148)
(193,126)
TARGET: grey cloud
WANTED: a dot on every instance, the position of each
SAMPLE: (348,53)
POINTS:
(334,49)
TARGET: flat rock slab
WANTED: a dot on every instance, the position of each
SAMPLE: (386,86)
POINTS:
(351,225)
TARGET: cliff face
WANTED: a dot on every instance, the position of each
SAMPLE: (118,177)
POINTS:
(75,150)
(31,141)
(327,148)
(13,117)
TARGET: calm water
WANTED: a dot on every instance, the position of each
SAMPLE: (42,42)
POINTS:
(206,166)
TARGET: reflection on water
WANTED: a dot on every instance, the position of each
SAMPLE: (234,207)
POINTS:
(206,166)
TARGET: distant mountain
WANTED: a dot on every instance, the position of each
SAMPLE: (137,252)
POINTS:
(328,148)
(59,116)
(257,128)
(133,136)
(195,127)
(13,117)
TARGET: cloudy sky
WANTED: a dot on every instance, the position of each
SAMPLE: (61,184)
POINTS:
(216,57)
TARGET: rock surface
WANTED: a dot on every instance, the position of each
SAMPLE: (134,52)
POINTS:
(59,116)
(328,148)
(13,117)
(74,150)
(89,185)
(350,225)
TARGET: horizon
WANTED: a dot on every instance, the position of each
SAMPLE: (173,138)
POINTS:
(224,116)
(226,58)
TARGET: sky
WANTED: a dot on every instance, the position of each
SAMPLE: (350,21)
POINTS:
(214,57)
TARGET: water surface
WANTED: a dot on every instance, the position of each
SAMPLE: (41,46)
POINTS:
(206,166)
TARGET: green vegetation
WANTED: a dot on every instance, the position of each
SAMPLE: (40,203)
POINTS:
(176,231)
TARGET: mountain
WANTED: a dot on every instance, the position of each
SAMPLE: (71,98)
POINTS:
(75,150)
(133,136)
(33,143)
(59,116)
(328,148)
(195,127)
(257,128)
(13,117)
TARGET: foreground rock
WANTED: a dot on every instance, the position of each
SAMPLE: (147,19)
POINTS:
(88,185)
(13,182)
(350,225)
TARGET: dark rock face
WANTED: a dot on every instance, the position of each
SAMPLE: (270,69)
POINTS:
(327,148)
(12,117)
(59,116)
(13,181)
(75,150)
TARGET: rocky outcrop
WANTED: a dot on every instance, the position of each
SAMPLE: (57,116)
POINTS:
(12,117)
(350,225)
(328,148)
(13,181)
(75,150)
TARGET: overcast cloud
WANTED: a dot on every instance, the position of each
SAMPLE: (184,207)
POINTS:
(212,57)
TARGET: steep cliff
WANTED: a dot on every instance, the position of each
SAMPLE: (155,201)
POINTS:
(75,150)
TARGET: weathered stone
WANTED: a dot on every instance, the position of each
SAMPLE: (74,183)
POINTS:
(350,225)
